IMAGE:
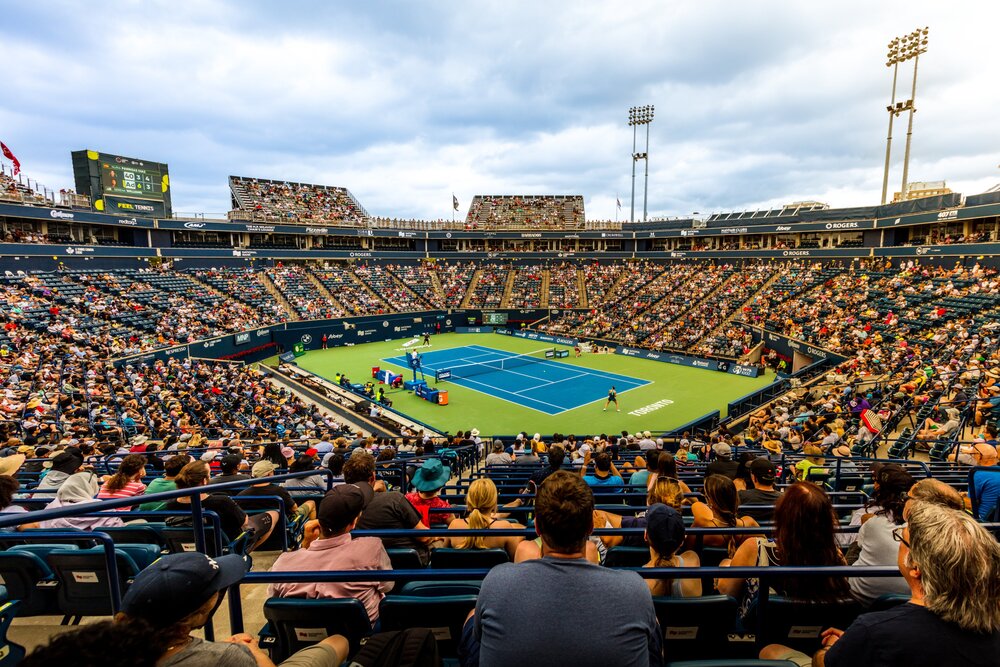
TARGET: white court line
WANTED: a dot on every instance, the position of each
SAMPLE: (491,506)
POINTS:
(551,382)
(592,371)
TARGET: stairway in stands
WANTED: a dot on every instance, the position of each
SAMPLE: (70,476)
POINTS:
(471,289)
(508,288)
(543,296)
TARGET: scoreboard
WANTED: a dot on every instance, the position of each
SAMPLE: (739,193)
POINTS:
(495,318)
(123,185)
(131,178)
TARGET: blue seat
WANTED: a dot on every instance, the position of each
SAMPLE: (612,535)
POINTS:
(180,539)
(28,578)
(83,580)
(295,623)
(404,559)
(135,534)
(439,588)
(446,559)
(799,625)
(10,653)
(444,615)
(626,557)
(697,627)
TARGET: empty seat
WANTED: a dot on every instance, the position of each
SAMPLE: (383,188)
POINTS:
(798,625)
(444,615)
(83,580)
(444,559)
(696,627)
(295,623)
(28,578)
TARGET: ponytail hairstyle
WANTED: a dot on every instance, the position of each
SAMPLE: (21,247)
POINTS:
(127,469)
(481,502)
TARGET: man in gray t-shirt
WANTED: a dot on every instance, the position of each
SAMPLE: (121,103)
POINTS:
(561,609)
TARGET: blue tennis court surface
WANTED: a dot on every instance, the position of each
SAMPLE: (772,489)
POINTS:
(547,385)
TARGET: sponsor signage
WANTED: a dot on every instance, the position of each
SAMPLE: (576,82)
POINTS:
(241,338)
(62,215)
(694,362)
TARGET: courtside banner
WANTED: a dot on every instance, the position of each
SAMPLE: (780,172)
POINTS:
(722,366)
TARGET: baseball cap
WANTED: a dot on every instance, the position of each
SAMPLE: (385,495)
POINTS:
(312,451)
(664,529)
(763,469)
(722,449)
(263,468)
(341,506)
(287,452)
(176,585)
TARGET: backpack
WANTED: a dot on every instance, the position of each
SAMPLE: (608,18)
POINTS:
(413,647)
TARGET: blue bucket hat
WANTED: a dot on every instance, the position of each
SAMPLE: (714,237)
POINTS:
(432,475)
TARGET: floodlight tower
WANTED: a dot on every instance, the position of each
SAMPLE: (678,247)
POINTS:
(902,49)
(640,116)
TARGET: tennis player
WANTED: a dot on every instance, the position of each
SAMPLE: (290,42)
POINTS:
(427,338)
(612,398)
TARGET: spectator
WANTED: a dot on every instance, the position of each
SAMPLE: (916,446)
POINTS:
(62,465)
(481,509)
(79,489)
(228,467)
(179,593)
(762,474)
(498,457)
(327,546)
(811,464)
(665,535)
(665,491)
(171,468)
(233,519)
(126,482)
(605,473)
(386,509)
(304,486)
(720,510)
(949,563)
(555,456)
(875,544)
(8,487)
(261,470)
(804,525)
(516,600)
(723,463)
(640,478)
(428,481)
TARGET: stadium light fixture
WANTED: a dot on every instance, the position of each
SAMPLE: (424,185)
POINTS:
(900,50)
(640,116)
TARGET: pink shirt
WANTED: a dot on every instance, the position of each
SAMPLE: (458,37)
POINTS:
(336,553)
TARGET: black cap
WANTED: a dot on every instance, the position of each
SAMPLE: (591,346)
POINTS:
(176,585)
(664,529)
(341,506)
(763,469)
(67,461)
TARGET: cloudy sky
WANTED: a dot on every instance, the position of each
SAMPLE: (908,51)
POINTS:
(757,103)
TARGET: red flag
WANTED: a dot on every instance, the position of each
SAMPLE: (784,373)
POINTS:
(10,156)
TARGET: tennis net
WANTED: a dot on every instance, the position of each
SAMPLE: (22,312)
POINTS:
(494,365)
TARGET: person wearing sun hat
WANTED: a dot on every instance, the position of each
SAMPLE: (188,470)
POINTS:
(427,482)
(179,593)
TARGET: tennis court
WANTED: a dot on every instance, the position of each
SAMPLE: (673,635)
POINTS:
(529,380)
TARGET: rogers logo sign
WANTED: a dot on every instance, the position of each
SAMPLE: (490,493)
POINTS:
(841,225)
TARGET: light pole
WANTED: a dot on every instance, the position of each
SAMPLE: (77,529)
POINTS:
(902,49)
(640,116)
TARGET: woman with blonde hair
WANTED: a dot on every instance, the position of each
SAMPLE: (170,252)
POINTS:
(481,513)
(665,491)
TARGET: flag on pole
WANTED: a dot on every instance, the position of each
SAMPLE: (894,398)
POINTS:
(10,156)
(454,201)
(619,202)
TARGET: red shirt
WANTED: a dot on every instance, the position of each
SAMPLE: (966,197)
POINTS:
(424,505)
